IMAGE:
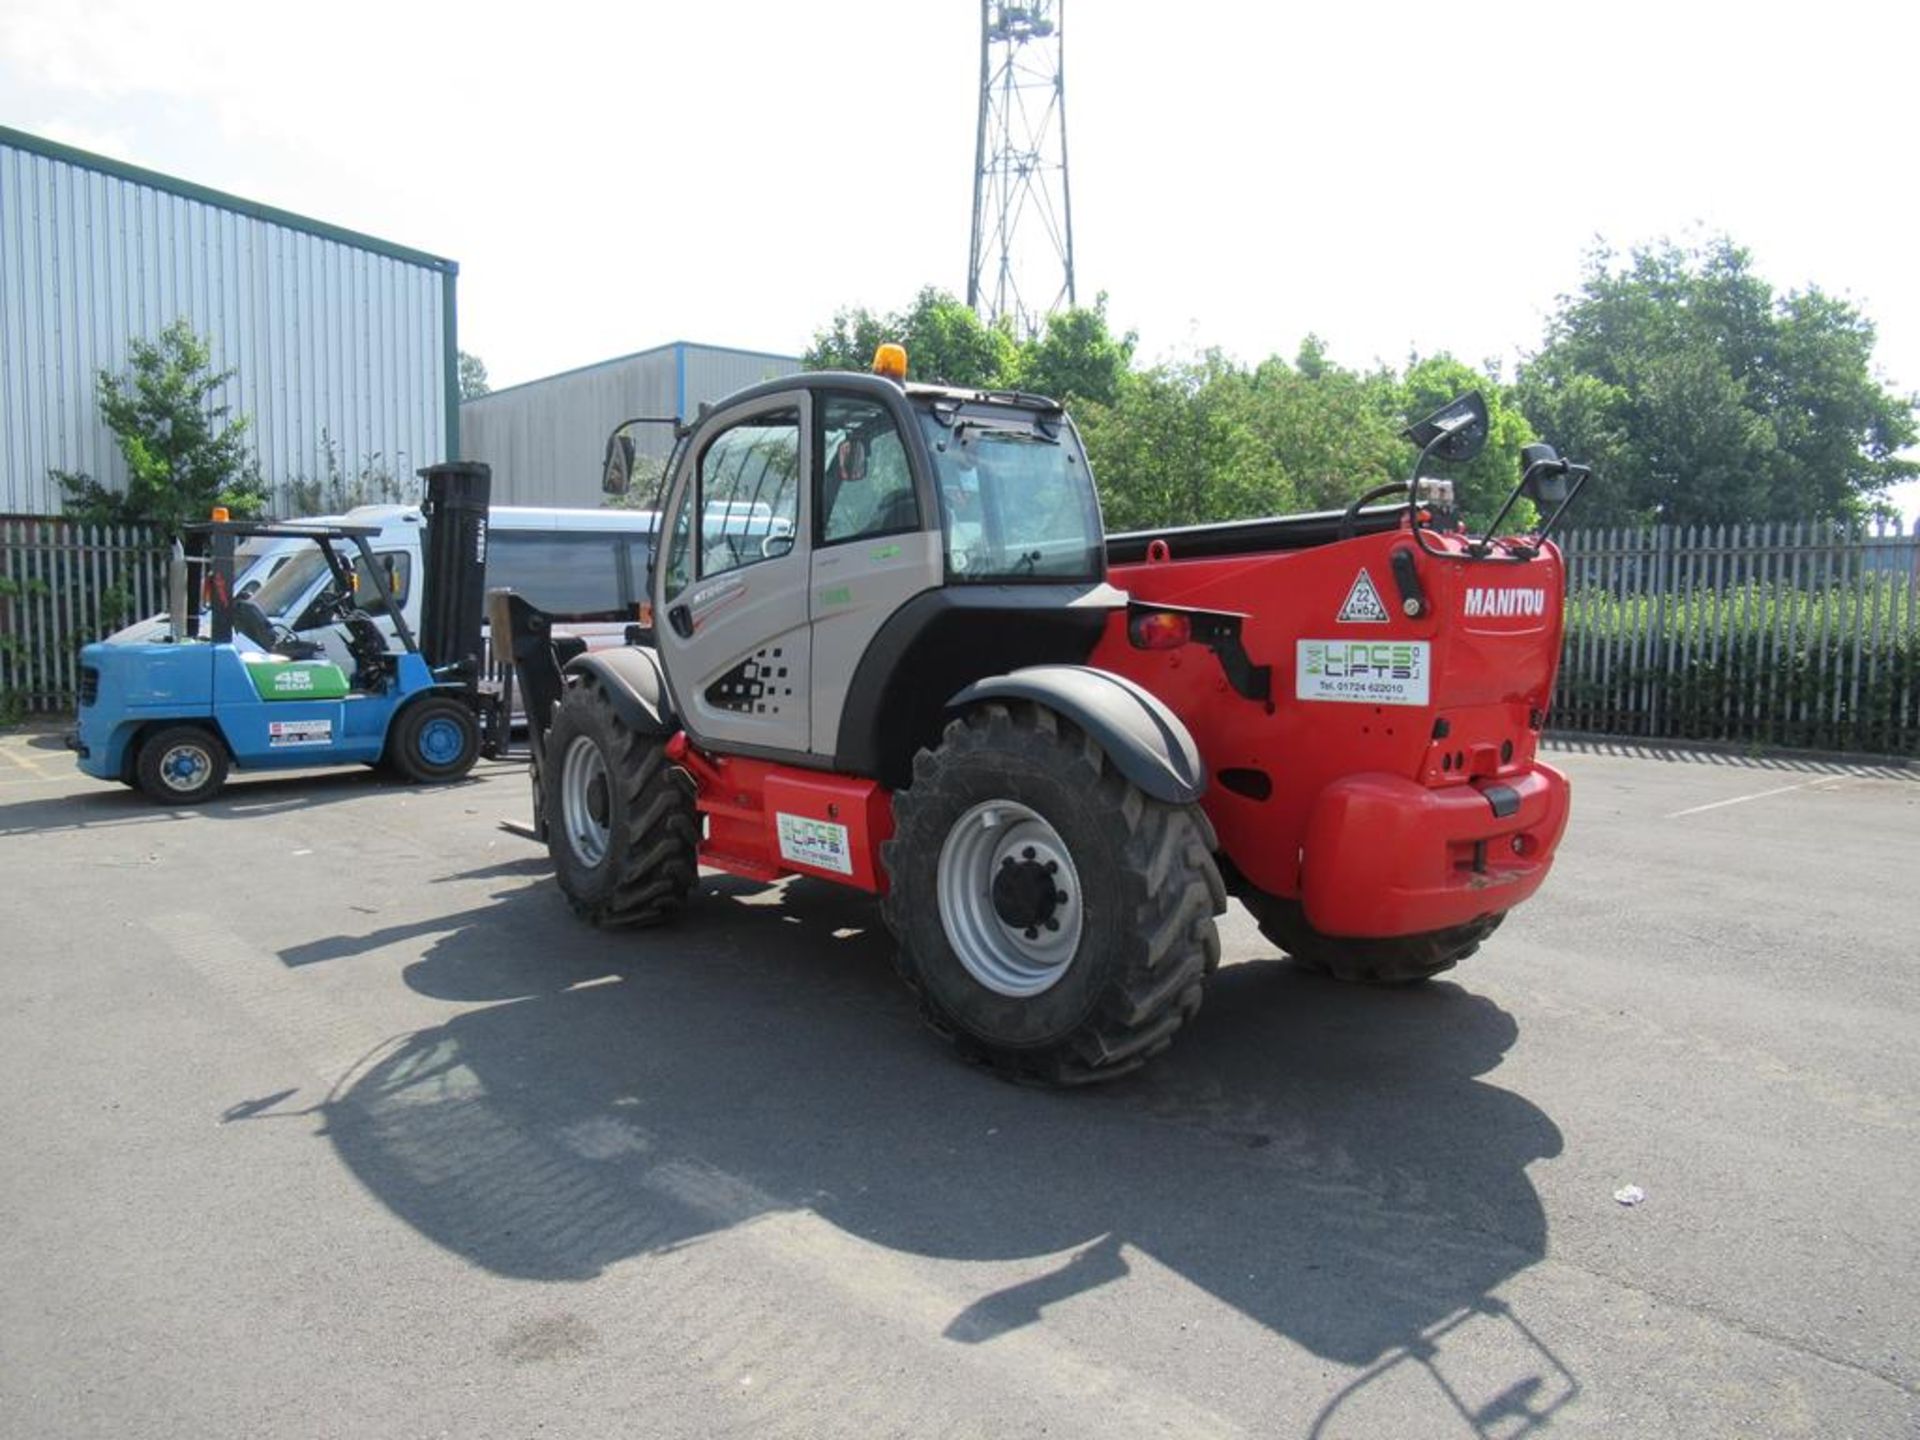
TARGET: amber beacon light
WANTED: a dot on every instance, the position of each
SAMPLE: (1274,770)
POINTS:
(890,360)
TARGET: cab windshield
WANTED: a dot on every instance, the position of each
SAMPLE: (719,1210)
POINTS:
(1016,501)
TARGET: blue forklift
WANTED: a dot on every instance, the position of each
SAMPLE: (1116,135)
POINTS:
(171,718)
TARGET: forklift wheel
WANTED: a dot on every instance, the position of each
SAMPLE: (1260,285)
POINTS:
(182,765)
(434,739)
(1056,922)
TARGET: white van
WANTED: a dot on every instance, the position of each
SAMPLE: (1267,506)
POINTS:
(590,564)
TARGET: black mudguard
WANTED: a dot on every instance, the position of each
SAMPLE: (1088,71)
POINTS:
(1145,740)
(634,680)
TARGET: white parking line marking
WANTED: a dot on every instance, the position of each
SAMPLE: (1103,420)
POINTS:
(1742,799)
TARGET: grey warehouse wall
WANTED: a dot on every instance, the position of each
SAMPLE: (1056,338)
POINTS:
(330,333)
(545,439)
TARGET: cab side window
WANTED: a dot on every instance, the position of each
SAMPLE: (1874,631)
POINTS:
(396,568)
(749,493)
(866,486)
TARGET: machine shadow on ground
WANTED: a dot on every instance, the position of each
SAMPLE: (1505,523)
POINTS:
(1329,1161)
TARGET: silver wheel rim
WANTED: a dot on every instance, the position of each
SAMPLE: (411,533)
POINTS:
(583,789)
(1010,959)
(185,767)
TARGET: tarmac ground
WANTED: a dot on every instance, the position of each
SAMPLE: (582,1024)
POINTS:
(321,1115)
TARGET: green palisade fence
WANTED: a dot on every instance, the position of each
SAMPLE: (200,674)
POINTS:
(1804,635)
(62,585)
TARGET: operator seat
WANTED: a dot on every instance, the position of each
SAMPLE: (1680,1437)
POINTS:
(373,662)
(254,623)
(899,511)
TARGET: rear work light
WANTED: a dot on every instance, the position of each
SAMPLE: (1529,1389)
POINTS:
(1159,630)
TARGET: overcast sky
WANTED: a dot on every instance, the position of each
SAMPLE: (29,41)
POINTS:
(1394,178)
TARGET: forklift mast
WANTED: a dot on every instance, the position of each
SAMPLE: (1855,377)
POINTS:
(451,605)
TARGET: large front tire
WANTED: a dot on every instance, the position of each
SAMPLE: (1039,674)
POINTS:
(1391,960)
(435,739)
(1055,921)
(621,824)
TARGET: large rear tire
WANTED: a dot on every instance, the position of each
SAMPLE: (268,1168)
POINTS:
(1394,960)
(181,765)
(621,824)
(1055,921)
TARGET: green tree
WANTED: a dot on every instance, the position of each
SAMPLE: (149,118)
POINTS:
(945,341)
(1702,396)
(473,376)
(183,455)
(1174,447)
(1325,428)
(1077,358)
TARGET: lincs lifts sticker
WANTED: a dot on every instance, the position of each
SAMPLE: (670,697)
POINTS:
(819,843)
(282,734)
(1363,672)
(1363,605)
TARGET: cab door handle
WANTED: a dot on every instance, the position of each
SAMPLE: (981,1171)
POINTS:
(681,619)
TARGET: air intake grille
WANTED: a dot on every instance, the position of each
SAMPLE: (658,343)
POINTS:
(89,684)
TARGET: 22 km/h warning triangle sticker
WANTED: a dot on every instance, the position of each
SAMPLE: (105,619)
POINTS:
(1363,602)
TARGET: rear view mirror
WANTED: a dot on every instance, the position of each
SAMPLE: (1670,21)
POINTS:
(1456,431)
(1544,479)
(617,473)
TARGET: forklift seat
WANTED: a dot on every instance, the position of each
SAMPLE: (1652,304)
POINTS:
(253,622)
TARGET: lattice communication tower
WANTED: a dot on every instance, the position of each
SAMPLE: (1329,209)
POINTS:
(1021,264)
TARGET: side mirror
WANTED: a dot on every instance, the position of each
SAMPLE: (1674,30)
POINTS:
(1543,479)
(1456,431)
(617,472)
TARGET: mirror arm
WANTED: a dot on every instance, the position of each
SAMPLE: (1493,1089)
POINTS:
(1580,474)
(1493,526)
(1413,496)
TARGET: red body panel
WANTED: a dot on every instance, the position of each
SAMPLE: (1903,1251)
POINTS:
(767,821)
(1361,807)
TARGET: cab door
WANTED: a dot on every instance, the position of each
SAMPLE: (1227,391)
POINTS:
(875,544)
(730,608)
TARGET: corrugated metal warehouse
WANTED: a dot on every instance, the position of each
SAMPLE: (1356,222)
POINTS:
(332,335)
(545,439)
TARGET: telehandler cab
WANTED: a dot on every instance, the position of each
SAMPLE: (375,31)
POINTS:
(889,646)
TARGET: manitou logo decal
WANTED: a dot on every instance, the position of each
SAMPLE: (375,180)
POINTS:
(1503,602)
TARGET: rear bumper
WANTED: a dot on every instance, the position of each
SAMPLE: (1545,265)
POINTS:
(1387,856)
